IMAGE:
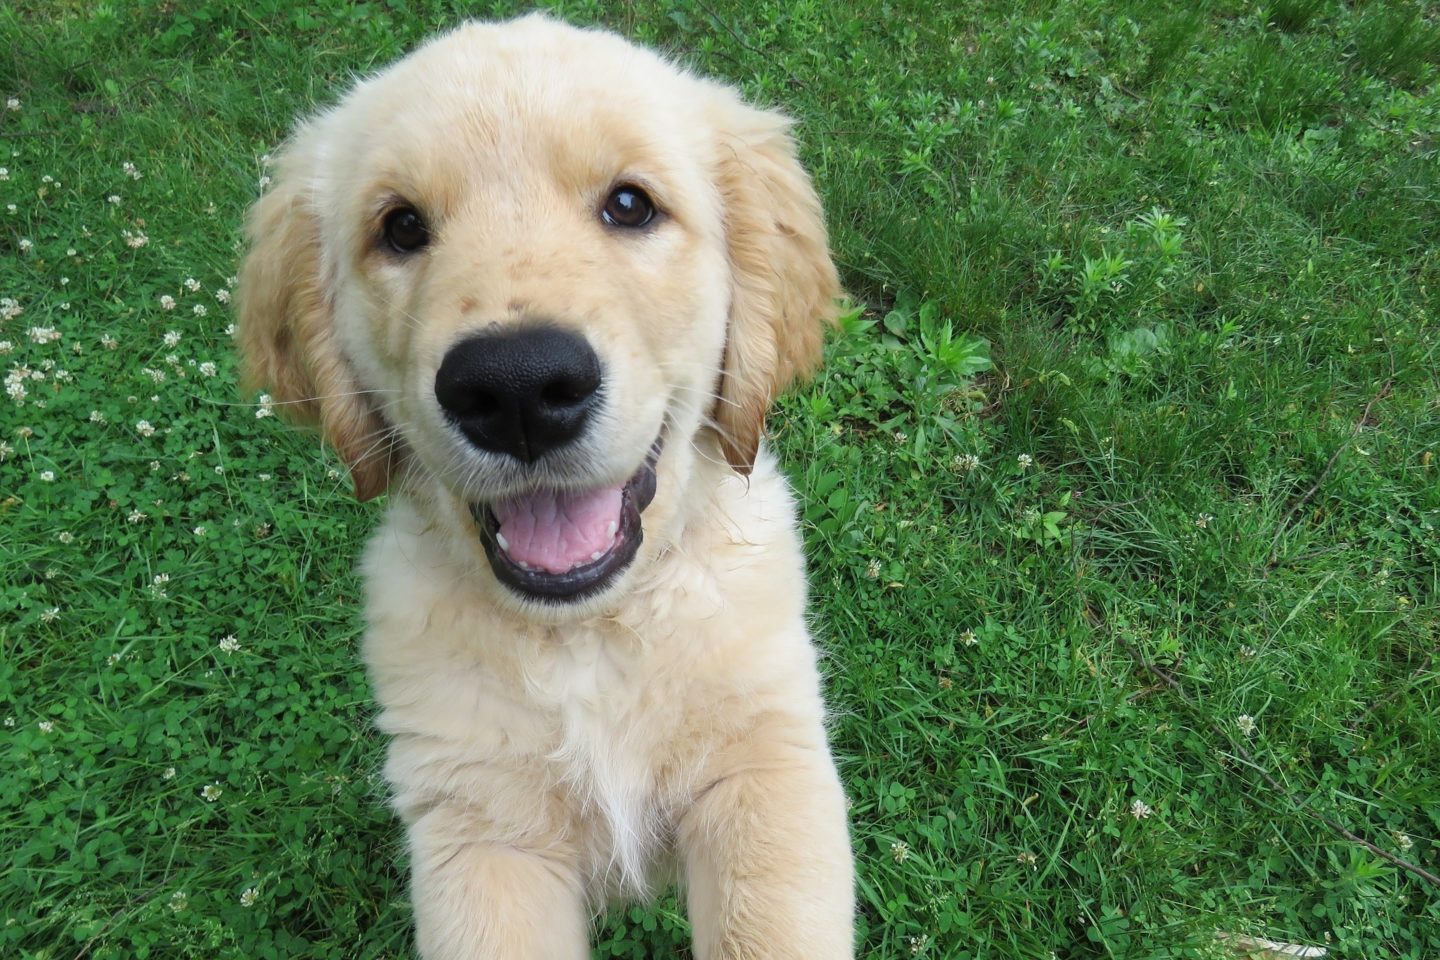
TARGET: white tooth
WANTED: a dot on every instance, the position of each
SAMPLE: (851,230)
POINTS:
(597,555)
(522,565)
(610,531)
(500,539)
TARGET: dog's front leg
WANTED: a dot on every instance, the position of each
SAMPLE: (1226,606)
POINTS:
(767,859)
(477,900)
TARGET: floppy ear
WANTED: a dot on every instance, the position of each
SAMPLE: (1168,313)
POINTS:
(783,282)
(286,334)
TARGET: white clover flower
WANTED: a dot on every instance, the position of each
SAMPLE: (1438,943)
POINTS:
(266,408)
(43,334)
(872,569)
(965,462)
(157,375)
(46,726)
(50,614)
(144,428)
(108,342)
(6,451)
(178,901)
(167,302)
(65,536)
(1025,461)
(4,174)
(264,182)
(231,281)
(135,516)
(113,198)
(1403,839)
(6,348)
(207,369)
(222,295)
(169,774)
(171,339)
(1140,809)
(900,851)
(47,475)
(968,638)
(1203,520)
(134,240)
(1026,858)
(9,721)
(211,792)
(192,284)
(1246,723)
(199,531)
(10,308)
(26,244)
(248,897)
(200,310)
(230,330)
(229,644)
(97,417)
(130,170)
(918,944)
(70,252)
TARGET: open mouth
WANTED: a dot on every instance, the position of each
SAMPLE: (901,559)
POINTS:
(559,546)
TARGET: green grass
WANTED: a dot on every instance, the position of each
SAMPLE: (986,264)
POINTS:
(1200,245)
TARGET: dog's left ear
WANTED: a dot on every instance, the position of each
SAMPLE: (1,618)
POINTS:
(784,285)
(286,330)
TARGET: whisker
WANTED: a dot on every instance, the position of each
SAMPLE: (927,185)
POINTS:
(414,321)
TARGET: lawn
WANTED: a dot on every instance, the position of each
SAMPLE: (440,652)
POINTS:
(1121,490)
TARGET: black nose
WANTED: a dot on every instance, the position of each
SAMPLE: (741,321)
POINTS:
(520,391)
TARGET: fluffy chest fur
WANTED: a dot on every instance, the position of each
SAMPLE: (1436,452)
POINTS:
(588,739)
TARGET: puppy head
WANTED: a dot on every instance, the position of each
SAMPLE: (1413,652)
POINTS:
(542,279)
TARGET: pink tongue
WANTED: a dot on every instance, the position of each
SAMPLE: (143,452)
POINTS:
(558,530)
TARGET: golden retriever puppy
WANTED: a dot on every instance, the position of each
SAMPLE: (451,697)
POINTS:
(542,286)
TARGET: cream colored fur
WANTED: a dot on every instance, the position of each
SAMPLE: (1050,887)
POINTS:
(548,758)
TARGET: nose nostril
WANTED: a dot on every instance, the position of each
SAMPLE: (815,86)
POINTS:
(474,405)
(565,392)
(466,403)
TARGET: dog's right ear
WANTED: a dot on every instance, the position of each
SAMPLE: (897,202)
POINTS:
(784,283)
(286,332)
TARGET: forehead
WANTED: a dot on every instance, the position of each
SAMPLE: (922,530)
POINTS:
(498,103)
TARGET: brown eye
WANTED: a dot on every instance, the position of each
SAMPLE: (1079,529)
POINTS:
(405,231)
(628,207)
